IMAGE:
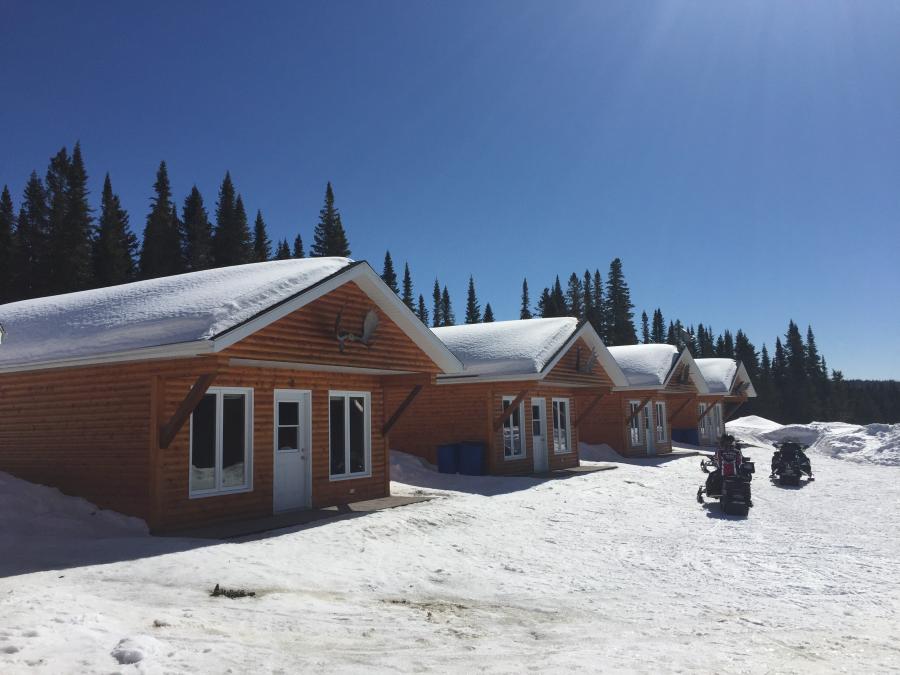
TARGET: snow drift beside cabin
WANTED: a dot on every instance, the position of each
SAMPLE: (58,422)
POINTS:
(176,309)
(521,347)
(645,365)
(718,373)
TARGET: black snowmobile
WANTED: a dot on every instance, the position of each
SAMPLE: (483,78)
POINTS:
(729,481)
(790,463)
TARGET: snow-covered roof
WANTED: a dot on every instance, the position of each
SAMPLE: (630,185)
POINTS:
(645,365)
(720,375)
(191,313)
(520,348)
(507,347)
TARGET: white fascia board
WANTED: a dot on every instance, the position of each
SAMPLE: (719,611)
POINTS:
(696,376)
(173,351)
(373,286)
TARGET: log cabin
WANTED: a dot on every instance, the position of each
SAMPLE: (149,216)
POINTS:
(729,385)
(636,419)
(222,394)
(526,388)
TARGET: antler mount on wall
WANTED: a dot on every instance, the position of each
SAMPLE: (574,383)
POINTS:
(366,336)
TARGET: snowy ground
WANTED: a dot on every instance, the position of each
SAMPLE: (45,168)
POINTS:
(618,570)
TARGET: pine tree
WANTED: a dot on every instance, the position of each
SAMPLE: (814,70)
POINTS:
(525,308)
(473,309)
(448,318)
(161,248)
(407,295)
(488,314)
(283,250)
(720,347)
(618,307)
(297,251)
(437,318)
(198,233)
(232,244)
(7,235)
(422,311)
(329,238)
(116,245)
(389,275)
(658,328)
(71,244)
(56,181)
(745,352)
(599,320)
(587,295)
(262,245)
(671,337)
(545,307)
(645,328)
(31,242)
(575,297)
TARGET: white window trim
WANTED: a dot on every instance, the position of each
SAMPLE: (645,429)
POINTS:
(568,426)
(660,418)
(291,396)
(523,446)
(367,396)
(636,420)
(219,392)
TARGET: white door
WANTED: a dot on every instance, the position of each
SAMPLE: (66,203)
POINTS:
(649,427)
(539,435)
(293,442)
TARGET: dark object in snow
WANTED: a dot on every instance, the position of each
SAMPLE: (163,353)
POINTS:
(231,593)
(790,463)
(729,481)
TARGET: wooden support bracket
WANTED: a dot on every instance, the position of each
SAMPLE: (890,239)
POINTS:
(509,411)
(684,405)
(638,411)
(170,429)
(589,407)
(398,413)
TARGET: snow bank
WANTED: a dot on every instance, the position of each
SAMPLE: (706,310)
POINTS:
(181,308)
(872,443)
(718,373)
(645,364)
(598,453)
(507,347)
(27,509)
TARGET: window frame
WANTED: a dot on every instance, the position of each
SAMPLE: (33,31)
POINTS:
(660,432)
(635,424)
(523,451)
(367,435)
(218,490)
(567,403)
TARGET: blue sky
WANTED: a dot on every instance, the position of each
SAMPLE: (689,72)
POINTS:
(742,158)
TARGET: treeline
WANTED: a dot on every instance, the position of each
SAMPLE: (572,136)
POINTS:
(55,243)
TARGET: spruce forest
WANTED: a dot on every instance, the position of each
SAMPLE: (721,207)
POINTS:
(56,242)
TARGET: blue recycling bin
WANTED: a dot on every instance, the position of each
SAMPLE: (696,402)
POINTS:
(448,458)
(471,459)
(689,436)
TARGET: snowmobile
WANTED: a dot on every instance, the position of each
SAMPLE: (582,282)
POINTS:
(729,481)
(790,463)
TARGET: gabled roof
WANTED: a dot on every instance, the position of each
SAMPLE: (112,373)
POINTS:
(188,314)
(722,375)
(521,349)
(651,366)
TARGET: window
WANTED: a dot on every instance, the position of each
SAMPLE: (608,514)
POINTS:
(561,442)
(288,425)
(634,425)
(718,426)
(704,423)
(660,421)
(513,443)
(222,442)
(537,420)
(350,431)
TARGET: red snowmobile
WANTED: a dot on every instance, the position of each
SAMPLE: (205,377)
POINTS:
(729,480)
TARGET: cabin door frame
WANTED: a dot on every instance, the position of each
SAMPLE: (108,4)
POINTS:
(292,467)
(539,446)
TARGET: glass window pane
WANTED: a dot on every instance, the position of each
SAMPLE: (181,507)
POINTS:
(234,440)
(336,422)
(288,438)
(357,434)
(288,413)
(203,444)
(536,416)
